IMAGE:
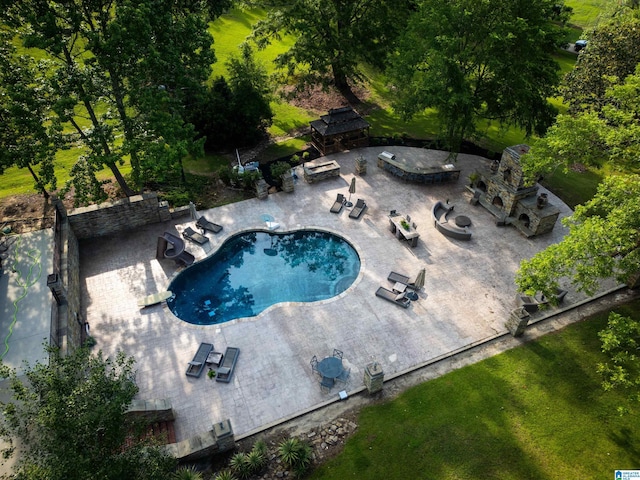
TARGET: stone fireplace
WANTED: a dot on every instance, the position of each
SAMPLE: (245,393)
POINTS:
(502,191)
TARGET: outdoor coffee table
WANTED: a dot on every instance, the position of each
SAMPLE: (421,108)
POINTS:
(463,221)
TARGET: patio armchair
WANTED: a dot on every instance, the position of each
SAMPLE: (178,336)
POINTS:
(314,364)
(326,384)
(337,353)
(343,378)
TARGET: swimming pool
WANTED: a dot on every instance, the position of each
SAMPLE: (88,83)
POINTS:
(254,270)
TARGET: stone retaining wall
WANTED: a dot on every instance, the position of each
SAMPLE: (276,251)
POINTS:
(118,216)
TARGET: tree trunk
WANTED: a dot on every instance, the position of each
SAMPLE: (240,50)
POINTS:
(38,182)
(341,83)
(106,150)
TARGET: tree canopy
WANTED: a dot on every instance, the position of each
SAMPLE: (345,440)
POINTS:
(120,72)
(333,36)
(29,134)
(604,236)
(69,418)
(473,60)
(611,55)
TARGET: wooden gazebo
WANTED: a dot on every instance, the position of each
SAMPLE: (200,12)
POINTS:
(341,129)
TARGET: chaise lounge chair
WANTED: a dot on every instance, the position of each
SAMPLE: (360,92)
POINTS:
(399,278)
(205,224)
(190,234)
(358,209)
(199,359)
(337,205)
(229,359)
(397,298)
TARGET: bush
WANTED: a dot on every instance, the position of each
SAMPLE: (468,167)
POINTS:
(279,168)
(187,473)
(240,465)
(296,455)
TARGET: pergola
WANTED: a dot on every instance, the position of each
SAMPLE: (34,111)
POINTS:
(341,129)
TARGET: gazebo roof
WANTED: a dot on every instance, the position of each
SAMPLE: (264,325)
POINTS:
(339,120)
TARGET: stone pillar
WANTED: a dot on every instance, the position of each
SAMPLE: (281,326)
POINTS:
(287,183)
(54,282)
(373,377)
(223,435)
(163,211)
(262,189)
(361,165)
(518,321)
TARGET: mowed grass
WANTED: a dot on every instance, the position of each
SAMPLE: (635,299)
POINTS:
(536,412)
(586,13)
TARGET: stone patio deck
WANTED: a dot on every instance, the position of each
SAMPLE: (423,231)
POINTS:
(468,295)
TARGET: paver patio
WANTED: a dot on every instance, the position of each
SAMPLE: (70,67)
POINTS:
(468,295)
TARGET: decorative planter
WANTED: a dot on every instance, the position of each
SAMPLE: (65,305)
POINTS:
(542,200)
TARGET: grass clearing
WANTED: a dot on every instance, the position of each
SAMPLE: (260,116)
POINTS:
(534,412)
(586,13)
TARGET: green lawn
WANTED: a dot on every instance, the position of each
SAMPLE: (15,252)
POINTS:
(536,412)
(587,12)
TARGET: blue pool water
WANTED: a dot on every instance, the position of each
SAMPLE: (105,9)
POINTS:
(254,270)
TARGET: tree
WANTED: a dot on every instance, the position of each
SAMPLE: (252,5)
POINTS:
(113,64)
(604,237)
(236,111)
(620,342)
(70,418)
(612,55)
(473,60)
(332,36)
(603,242)
(29,134)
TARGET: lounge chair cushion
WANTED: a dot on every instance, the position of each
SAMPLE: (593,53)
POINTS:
(190,234)
(400,296)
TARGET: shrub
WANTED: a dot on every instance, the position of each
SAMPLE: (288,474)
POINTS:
(296,455)
(279,168)
(187,473)
(240,465)
(256,460)
(224,475)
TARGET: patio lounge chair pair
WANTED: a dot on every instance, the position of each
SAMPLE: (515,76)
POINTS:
(391,296)
(357,210)
(338,204)
(195,367)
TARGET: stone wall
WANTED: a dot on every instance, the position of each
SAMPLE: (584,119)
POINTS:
(118,216)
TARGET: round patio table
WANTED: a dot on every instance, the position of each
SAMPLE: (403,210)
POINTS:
(330,367)
(463,221)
